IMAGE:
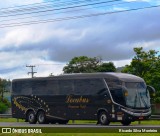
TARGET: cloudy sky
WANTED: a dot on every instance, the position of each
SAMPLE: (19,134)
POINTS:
(50,45)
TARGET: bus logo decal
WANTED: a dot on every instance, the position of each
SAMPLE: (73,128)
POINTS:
(81,99)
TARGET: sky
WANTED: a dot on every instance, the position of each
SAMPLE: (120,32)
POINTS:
(50,46)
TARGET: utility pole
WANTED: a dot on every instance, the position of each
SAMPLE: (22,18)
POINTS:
(32,72)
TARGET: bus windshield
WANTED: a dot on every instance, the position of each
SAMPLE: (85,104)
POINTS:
(138,96)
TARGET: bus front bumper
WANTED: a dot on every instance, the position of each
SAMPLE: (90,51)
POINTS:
(136,115)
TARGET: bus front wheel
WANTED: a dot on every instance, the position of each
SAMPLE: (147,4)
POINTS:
(41,117)
(31,117)
(103,118)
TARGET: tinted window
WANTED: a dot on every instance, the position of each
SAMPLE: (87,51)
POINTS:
(22,87)
(115,87)
(66,87)
(117,95)
(15,88)
(45,87)
(52,87)
(113,83)
(89,86)
(39,87)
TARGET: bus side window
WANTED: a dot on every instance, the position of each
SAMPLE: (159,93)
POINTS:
(97,86)
(89,86)
(22,88)
(39,87)
(66,87)
(81,86)
(16,88)
(26,88)
(52,87)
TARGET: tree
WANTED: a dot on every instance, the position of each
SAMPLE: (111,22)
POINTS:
(84,64)
(143,62)
(106,67)
(4,87)
(146,65)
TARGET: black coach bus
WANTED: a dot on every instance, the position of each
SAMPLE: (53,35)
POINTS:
(105,97)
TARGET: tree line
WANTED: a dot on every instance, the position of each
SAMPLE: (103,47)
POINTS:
(84,64)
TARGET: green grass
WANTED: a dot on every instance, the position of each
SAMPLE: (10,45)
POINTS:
(10,120)
(146,122)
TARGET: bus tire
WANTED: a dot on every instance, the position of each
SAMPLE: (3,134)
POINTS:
(103,118)
(126,123)
(41,117)
(31,117)
(63,121)
(53,121)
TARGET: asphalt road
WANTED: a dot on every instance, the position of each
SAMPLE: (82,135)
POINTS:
(26,124)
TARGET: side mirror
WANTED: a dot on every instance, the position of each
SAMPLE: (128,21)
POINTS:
(151,91)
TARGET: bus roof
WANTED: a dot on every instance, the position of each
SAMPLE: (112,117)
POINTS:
(108,75)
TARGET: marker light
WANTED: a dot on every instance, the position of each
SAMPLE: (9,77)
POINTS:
(126,93)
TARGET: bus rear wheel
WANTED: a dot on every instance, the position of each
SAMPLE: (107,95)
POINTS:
(126,123)
(103,118)
(31,117)
(41,117)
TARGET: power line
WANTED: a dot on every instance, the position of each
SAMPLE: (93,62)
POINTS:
(50,2)
(81,9)
(27,5)
(69,7)
(58,4)
(72,17)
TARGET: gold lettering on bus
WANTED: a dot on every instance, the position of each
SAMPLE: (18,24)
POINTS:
(81,99)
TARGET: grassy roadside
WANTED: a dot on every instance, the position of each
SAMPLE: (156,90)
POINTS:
(10,120)
(146,122)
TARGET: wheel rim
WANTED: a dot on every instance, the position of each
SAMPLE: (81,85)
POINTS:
(103,118)
(41,118)
(31,117)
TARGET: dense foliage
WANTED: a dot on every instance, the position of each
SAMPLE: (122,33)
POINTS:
(84,64)
(4,87)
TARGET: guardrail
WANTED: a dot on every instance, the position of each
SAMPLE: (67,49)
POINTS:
(155,117)
(5,115)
